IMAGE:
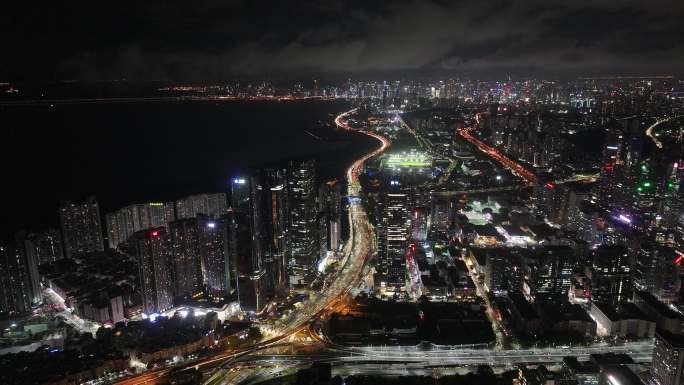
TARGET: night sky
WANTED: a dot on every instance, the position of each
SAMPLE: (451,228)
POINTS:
(216,39)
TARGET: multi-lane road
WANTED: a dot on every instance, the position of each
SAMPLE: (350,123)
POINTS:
(654,137)
(514,167)
(411,360)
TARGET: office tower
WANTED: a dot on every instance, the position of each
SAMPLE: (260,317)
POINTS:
(671,195)
(269,226)
(214,252)
(122,223)
(213,205)
(613,147)
(44,247)
(239,193)
(668,359)
(657,271)
(277,250)
(584,219)
(81,228)
(420,219)
(302,226)
(441,213)
(153,252)
(248,268)
(502,268)
(245,256)
(185,253)
(611,275)
(548,273)
(392,247)
(329,214)
(16,293)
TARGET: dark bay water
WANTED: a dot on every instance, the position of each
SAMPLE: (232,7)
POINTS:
(134,152)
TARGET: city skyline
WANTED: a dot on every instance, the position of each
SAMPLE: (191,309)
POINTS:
(343,193)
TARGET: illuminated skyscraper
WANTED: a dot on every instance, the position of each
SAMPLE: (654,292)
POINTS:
(611,275)
(239,193)
(81,228)
(185,252)
(302,226)
(329,213)
(269,226)
(214,252)
(16,293)
(249,272)
(153,251)
(393,232)
(245,258)
(44,247)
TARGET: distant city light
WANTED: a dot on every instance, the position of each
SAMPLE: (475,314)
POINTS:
(624,218)
(239,180)
(211,225)
(155,233)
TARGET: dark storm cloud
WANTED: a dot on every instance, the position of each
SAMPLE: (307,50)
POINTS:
(214,39)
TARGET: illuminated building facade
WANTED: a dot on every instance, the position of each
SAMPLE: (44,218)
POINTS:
(152,249)
(657,271)
(214,254)
(392,242)
(44,247)
(269,226)
(16,294)
(611,275)
(249,272)
(185,251)
(668,359)
(239,193)
(302,222)
(81,228)
(122,223)
(329,213)
(549,271)
(213,205)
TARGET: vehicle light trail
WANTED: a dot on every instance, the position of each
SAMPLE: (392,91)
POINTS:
(493,153)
